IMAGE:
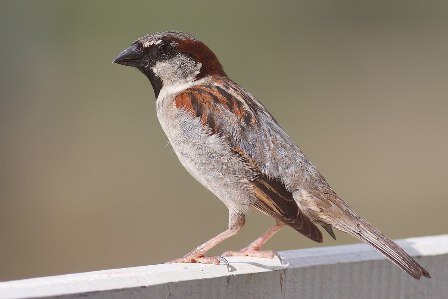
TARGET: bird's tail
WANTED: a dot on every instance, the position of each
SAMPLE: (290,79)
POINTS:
(364,231)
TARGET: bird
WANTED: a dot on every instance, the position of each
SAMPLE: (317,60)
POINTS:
(232,145)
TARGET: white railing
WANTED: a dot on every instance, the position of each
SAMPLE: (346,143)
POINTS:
(351,271)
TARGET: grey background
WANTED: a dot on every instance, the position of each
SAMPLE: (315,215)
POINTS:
(87,180)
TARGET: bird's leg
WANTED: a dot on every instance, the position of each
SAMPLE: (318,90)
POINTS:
(253,249)
(236,222)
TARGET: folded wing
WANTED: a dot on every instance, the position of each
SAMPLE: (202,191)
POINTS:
(220,109)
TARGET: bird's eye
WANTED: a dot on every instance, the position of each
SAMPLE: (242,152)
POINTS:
(164,49)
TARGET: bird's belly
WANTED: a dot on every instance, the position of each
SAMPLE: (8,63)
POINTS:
(208,158)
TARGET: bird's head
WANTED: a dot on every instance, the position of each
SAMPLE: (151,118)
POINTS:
(169,58)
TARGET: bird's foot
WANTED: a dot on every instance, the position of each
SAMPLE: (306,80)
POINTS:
(214,260)
(253,252)
(197,259)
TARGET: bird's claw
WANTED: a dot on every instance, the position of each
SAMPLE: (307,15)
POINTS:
(252,252)
(214,260)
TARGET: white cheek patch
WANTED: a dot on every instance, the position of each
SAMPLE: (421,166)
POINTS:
(179,69)
(177,74)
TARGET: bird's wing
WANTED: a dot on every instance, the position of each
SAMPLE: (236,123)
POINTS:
(275,200)
(227,110)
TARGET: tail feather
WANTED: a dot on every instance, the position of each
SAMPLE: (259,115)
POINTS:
(370,235)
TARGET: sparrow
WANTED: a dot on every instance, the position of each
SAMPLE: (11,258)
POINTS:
(229,142)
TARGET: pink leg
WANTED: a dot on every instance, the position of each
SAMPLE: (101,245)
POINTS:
(236,222)
(253,249)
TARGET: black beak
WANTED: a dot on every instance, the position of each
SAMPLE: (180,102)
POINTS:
(132,56)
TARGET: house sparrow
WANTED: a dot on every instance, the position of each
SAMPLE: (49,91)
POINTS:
(232,145)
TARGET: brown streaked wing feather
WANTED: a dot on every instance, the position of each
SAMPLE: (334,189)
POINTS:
(220,112)
(276,201)
(207,101)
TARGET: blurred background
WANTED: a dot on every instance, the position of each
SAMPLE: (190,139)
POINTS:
(88,180)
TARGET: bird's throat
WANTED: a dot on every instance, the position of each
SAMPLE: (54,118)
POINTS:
(156,82)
